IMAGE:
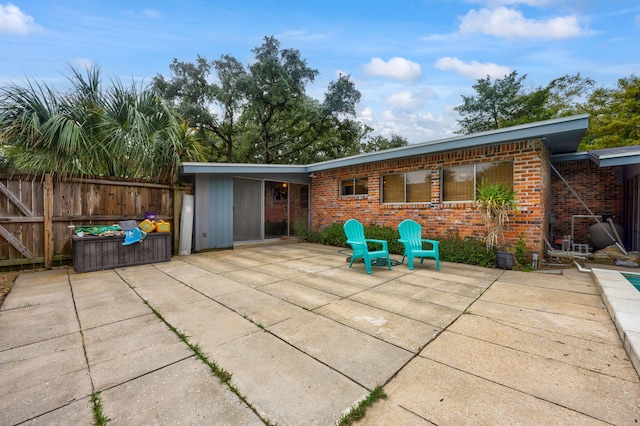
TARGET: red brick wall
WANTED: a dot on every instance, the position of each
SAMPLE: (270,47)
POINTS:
(531,180)
(601,189)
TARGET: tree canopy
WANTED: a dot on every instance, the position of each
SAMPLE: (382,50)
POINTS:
(262,113)
(614,115)
(123,131)
(506,102)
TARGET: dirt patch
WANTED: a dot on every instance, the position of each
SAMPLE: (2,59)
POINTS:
(6,282)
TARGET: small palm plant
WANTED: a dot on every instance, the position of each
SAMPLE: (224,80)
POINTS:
(495,201)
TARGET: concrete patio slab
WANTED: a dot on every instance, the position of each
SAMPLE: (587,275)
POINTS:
(168,294)
(557,323)
(431,283)
(210,261)
(578,389)
(433,313)
(35,323)
(363,358)
(549,344)
(448,396)
(105,300)
(458,301)
(259,307)
(398,330)
(119,352)
(208,323)
(75,413)
(547,300)
(41,377)
(328,285)
(250,278)
(285,385)
(52,287)
(300,295)
(526,350)
(182,393)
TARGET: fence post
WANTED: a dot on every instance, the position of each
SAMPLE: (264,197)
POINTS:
(48,221)
(177,198)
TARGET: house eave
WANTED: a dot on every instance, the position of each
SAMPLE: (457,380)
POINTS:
(562,135)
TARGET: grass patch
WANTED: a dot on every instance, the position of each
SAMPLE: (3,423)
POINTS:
(98,415)
(359,410)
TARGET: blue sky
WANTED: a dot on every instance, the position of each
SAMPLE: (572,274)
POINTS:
(411,59)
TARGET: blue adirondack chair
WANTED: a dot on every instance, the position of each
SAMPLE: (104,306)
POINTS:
(355,238)
(411,237)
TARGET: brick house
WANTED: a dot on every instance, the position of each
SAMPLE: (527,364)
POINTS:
(433,183)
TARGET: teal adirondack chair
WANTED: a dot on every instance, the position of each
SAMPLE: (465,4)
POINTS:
(355,238)
(411,237)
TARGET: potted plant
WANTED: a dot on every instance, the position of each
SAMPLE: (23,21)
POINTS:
(495,201)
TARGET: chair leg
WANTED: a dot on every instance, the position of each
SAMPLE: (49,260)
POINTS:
(389,261)
(410,262)
(437,263)
(367,264)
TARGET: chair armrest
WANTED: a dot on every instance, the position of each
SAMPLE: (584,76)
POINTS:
(433,242)
(383,242)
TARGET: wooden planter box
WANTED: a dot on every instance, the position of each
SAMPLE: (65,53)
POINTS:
(97,253)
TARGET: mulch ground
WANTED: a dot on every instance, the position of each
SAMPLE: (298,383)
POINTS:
(6,282)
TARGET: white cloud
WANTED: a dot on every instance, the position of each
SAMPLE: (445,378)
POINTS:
(83,63)
(533,3)
(404,100)
(14,21)
(152,13)
(398,68)
(410,100)
(473,69)
(511,23)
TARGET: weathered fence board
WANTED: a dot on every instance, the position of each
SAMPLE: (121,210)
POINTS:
(38,213)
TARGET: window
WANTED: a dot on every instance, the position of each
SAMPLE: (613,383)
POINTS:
(279,192)
(459,183)
(357,186)
(409,187)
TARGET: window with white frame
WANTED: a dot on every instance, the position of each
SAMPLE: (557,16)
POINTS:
(408,187)
(356,186)
(459,183)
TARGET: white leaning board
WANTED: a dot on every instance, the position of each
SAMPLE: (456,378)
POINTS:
(186,225)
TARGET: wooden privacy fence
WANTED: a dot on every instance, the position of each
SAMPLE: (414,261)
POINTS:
(38,213)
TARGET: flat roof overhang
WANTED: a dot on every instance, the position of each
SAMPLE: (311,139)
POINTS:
(562,136)
(608,157)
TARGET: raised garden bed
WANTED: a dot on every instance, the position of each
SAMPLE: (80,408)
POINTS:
(92,253)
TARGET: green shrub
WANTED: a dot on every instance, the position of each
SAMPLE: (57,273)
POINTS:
(453,248)
(334,235)
(467,250)
(377,232)
(522,254)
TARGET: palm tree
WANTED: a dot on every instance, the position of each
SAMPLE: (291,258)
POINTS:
(123,131)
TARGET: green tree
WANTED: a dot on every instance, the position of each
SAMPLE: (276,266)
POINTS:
(506,102)
(213,109)
(262,114)
(122,131)
(380,143)
(285,119)
(496,104)
(614,116)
